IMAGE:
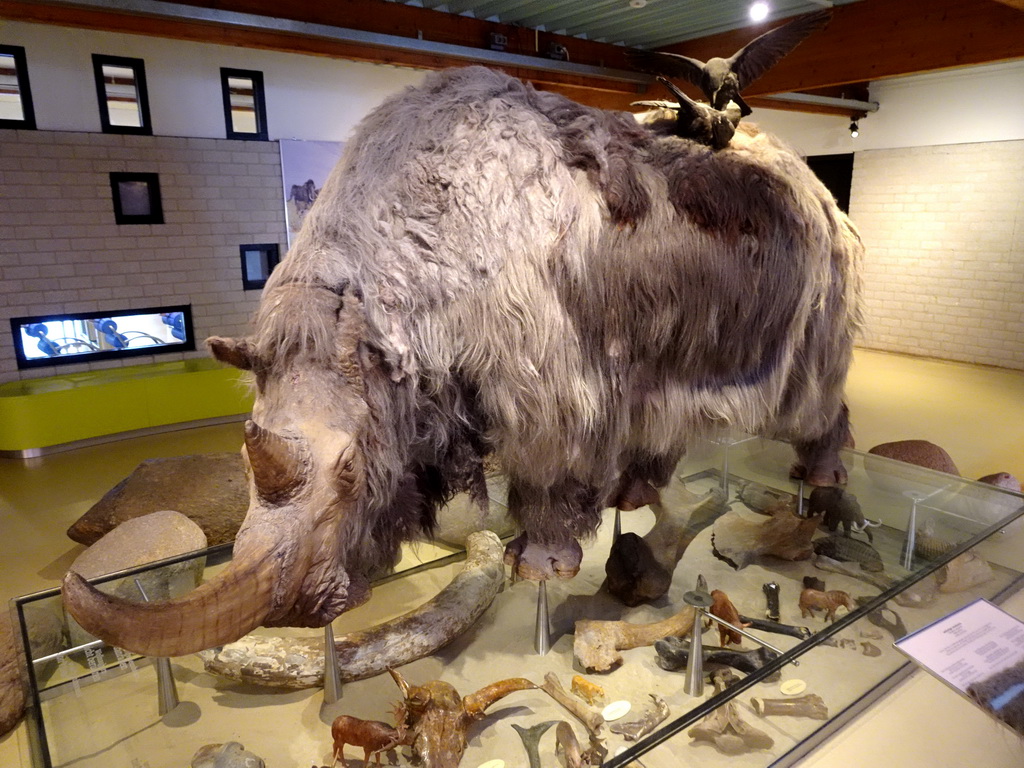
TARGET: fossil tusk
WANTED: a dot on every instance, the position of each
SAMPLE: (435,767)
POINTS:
(272,661)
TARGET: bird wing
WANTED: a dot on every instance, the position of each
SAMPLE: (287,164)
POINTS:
(764,52)
(687,108)
(655,103)
(671,64)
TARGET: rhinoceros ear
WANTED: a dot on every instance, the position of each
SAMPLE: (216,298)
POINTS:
(236,352)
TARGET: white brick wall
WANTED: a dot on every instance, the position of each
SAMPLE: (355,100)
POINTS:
(944,230)
(60,250)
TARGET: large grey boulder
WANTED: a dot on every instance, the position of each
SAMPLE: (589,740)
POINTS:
(12,688)
(209,488)
(139,541)
(229,755)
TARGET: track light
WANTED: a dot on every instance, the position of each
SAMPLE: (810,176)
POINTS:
(759,11)
(854,130)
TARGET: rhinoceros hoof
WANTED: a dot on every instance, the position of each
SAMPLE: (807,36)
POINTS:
(819,474)
(540,562)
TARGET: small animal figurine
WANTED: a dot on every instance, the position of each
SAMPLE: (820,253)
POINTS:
(373,736)
(723,608)
(812,600)
(840,507)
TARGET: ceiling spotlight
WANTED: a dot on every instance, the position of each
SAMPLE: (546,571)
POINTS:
(854,130)
(759,11)
(637,3)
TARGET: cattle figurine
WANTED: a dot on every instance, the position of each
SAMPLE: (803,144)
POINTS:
(495,271)
(373,736)
(812,600)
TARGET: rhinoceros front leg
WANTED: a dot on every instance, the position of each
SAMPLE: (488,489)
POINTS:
(552,519)
(818,461)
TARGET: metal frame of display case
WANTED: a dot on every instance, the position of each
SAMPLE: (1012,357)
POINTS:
(719,462)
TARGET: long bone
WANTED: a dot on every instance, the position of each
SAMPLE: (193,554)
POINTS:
(598,643)
(586,714)
(810,705)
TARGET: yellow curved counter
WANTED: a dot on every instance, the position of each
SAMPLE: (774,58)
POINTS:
(53,411)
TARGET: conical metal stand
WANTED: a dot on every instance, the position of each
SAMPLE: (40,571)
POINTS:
(907,555)
(166,688)
(694,683)
(800,499)
(542,631)
(701,601)
(617,530)
(332,677)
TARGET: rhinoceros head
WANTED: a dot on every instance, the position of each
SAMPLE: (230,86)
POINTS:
(307,476)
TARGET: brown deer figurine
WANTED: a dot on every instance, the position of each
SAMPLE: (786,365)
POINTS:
(812,600)
(372,735)
(723,608)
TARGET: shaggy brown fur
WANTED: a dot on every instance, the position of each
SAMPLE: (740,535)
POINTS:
(559,285)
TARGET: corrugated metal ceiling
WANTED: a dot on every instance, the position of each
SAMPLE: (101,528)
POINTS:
(656,23)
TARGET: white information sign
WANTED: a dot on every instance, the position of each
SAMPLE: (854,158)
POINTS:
(969,645)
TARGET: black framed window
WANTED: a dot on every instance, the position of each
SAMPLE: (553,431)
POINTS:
(258,261)
(16,109)
(122,94)
(245,106)
(136,198)
(836,173)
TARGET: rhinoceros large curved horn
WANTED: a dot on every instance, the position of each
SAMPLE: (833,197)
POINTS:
(216,613)
(277,463)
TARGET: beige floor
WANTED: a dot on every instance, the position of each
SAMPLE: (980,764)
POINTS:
(975,413)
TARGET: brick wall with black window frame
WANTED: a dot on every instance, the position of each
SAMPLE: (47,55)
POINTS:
(258,261)
(245,106)
(16,110)
(122,94)
(136,198)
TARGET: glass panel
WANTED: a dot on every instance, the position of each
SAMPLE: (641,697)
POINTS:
(134,198)
(243,105)
(122,96)
(10,93)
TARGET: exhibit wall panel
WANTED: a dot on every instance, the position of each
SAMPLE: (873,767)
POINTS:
(63,252)
(944,232)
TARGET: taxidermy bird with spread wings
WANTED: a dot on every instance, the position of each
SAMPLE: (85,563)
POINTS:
(697,121)
(723,79)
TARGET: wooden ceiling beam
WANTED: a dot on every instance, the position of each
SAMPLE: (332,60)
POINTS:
(877,39)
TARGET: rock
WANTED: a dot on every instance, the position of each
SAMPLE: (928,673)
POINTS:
(12,689)
(919,452)
(228,755)
(139,541)
(210,489)
(1003,480)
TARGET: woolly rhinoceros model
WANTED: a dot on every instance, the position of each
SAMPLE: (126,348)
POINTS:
(496,270)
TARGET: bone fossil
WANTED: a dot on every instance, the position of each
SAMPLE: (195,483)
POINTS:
(437,717)
(531,740)
(598,643)
(920,594)
(674,652)
(771,596)
(459,287)
(739,541)
(811,705)
(729,732)
(846,549)
(773,626)
(587,715)
(572,753)
(647,722)
(361,654)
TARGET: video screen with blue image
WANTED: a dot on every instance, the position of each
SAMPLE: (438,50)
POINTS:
(79,337)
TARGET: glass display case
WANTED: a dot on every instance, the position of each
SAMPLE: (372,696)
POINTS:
(938,542)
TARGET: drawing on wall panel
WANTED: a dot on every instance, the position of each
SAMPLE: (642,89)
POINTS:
(304,169)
